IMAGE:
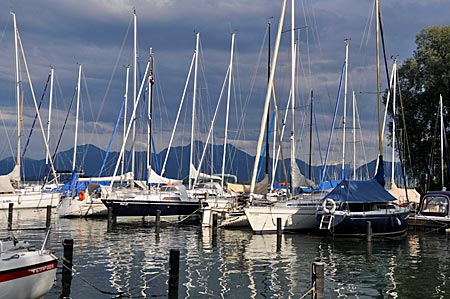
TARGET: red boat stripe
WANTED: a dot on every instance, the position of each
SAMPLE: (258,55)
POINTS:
(28,271)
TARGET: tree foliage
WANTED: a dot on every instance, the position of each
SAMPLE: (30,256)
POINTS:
(421,80)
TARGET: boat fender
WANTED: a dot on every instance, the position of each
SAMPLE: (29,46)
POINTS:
(325,206)
(81,195)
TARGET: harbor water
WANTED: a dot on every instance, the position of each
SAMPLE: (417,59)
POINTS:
(131,260)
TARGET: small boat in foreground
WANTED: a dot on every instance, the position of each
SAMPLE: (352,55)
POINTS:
(24,271)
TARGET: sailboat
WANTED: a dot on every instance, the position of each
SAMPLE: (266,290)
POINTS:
(212,186)
(157,193)
(405,195)
(81,196)
(12,189)
(349,208)
(298,212)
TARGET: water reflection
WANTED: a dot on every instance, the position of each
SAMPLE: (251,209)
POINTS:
(133,259)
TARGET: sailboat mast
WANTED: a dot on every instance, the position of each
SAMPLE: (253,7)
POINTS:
(76,119)
(354,132)
(193,108)
(310,134)
(133,149)
(268,111)
(345,110)
(394,111)
(292,92)
(52,76)
(150,117)
(380,139)
(442,142)
(267,100)
(228,108)
(127,77)
(17,89)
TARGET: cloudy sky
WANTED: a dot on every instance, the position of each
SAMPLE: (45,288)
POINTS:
(99,36)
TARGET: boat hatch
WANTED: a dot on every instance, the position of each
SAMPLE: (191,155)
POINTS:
(435,205)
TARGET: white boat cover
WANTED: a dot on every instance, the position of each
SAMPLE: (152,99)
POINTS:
(194,173)
(124,177)
(260,187)
(400,194)
(298,179)
(6,180)
(155,178)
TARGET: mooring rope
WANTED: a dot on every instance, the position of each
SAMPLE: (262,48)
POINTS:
(74,272)
(119,294)
(311,290)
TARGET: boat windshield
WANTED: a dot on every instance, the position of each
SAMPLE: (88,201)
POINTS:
(436,205)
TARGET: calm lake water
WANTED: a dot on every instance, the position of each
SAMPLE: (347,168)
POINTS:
(133,259)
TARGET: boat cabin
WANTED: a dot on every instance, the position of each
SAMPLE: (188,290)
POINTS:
(435,203)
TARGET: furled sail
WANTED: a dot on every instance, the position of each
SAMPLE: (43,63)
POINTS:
(400,194)
(298,179)
(260,187)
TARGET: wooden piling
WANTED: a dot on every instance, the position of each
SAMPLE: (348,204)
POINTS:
(174,273)
(214,224)
(111,219)
(49,217)
(214,230)
(67,268)
(369,231)
(279,228)
(10,215)
(318,280)
(157,221)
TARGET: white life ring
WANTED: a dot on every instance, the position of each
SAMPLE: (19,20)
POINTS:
(326,209)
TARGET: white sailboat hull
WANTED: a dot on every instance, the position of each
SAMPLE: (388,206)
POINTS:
(73,207)
(294,217)
(30,200)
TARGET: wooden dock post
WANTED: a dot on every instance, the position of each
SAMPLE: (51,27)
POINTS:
(111,219)
(10,215)
(174,273)
(279,228)
(369,231)
(49,217)
(279,234)
(157,221)
(318,280)
(67,268)
(214,230)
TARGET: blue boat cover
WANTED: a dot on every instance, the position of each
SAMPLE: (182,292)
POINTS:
(325,185)
(360,191)
(73,187)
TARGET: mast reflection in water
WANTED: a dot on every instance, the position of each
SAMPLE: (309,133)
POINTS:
(133,259)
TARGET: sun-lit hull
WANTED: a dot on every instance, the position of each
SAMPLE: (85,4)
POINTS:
(26,274)
(295,216)
(73,207)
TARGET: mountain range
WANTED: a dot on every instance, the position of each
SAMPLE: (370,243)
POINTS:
(239,163)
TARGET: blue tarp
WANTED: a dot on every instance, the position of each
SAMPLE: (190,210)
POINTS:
(73,187)
(326,185)
(360,191)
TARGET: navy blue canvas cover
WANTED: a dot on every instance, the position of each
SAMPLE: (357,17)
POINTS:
(360,191)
